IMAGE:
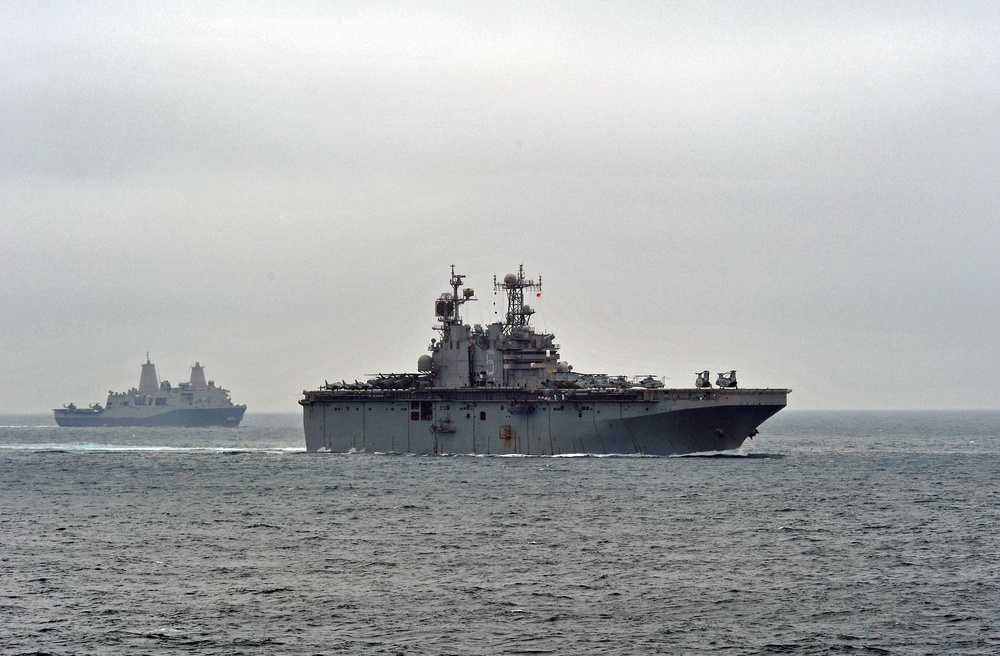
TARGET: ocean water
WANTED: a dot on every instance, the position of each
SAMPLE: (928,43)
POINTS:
(856,533)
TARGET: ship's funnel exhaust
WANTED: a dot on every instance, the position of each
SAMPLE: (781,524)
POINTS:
(198,376)
(148,382)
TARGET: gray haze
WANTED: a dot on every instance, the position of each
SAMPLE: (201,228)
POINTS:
(804,192)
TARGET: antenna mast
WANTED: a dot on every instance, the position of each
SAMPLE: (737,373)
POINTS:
(448,306)
(513,285)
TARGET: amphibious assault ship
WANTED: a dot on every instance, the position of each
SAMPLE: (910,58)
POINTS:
(195,403)
(501,389)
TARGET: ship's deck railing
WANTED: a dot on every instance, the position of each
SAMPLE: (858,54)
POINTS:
(522,395)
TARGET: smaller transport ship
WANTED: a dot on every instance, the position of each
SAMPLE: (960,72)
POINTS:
(196,403)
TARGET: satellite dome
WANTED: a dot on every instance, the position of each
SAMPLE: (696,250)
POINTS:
(424,363)
(510,279)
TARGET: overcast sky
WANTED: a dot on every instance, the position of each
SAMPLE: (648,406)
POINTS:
(804,192)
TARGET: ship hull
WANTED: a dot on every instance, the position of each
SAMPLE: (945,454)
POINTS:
(184,418)
(661,422)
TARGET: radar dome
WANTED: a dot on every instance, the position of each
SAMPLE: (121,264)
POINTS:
(424,363)
(510,279)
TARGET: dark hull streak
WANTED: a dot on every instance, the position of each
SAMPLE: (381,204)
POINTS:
(221,417)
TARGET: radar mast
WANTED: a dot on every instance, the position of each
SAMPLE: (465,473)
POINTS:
(448,306)
(513,285)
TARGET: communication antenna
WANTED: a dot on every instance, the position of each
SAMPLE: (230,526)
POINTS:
(448,306)
(513,285)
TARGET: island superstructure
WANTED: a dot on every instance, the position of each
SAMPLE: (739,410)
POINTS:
(502,389)
(196,403)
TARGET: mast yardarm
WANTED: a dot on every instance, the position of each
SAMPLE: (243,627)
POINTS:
(448,306)
(513,285)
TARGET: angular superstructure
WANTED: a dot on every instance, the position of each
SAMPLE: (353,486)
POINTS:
(154,403)
(148,381)
(198,376)
(501,389)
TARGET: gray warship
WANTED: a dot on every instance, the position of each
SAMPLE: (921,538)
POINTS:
(196,403)
(501,389)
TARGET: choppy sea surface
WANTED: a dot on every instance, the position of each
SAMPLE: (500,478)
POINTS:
(842,532)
